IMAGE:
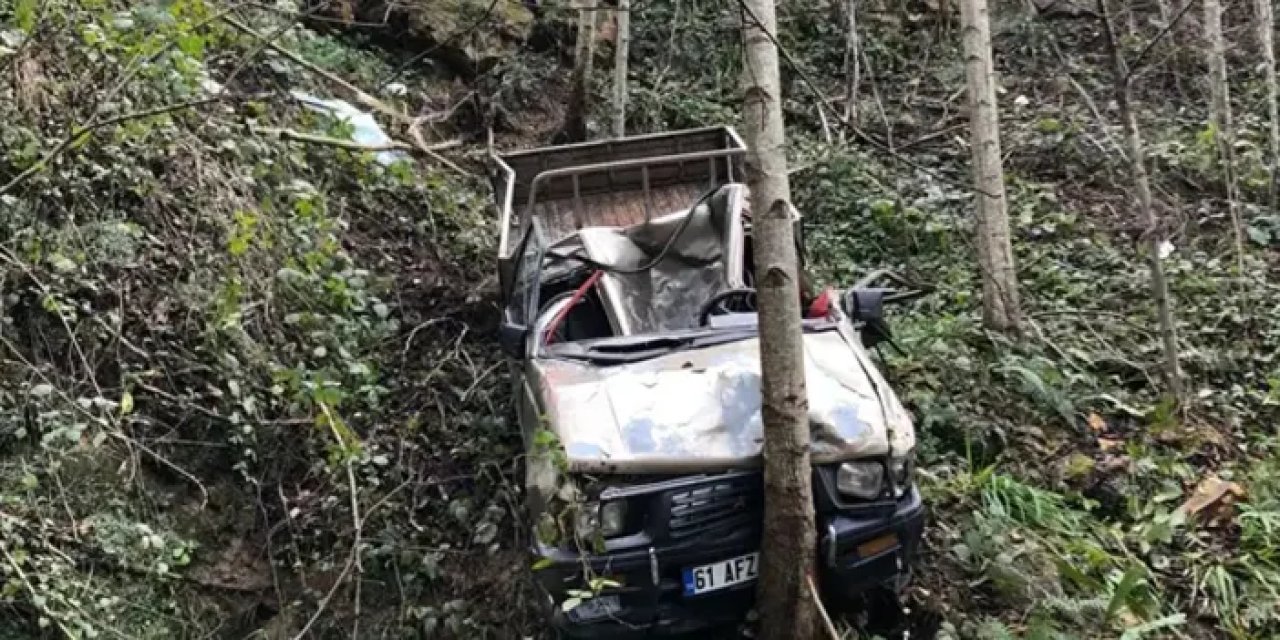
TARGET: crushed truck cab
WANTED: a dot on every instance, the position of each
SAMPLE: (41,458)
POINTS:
(629,317)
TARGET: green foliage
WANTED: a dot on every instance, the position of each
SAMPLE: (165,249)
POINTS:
(688,84)
(212,340)
(211,335)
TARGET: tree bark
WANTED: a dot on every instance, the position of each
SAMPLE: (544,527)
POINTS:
(622,49)
(786,605)
(1224,136)
(1000,300)
(852,61)
(1154,232)
(1266,27)
(584,51)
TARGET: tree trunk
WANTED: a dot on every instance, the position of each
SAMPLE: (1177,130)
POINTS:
(785,602)
(1266,25)
(1221,117)
(852,61)
(1000,306)
(622,49)
(1154,232)
(584,50)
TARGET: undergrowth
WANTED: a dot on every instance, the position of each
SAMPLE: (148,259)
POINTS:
(249,385)
(245,384)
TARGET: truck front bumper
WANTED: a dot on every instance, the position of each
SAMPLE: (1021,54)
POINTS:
(856,552)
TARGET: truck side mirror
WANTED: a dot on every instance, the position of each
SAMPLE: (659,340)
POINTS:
(865,305)
(511,337)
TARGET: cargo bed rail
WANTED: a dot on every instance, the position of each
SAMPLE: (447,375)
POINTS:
(613,182)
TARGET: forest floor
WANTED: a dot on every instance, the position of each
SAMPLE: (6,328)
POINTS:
(250,384)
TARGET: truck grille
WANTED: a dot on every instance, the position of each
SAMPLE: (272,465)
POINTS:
(717,506)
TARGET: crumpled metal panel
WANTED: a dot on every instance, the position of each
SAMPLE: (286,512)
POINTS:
(691,269)
(699,410)
(663,298)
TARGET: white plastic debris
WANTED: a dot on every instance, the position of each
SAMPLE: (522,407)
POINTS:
(365,130)
(123,21)
(1021,101)
(11,39)
(210,86)
(1166,249)
(396,89)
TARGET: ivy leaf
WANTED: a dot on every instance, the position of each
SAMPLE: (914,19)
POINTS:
(1259,236)
(485,533)
(192,45)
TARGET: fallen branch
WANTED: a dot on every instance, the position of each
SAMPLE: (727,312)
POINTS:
(204,493)
(822,610)
(415,132)
(353,561)
(413,126)
(351,145)
(360,96)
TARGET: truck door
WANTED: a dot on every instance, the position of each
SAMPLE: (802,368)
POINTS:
(519,318)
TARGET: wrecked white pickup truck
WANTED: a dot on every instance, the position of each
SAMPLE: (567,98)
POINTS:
(629,315)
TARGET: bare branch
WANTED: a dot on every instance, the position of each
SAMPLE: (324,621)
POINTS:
(413,126)
(1137,62)
(350,145)
(360,96)
(826,103)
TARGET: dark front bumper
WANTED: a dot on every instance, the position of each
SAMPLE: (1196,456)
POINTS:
(859,553)
(853,557)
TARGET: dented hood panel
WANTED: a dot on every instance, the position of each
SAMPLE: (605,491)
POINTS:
(699,410)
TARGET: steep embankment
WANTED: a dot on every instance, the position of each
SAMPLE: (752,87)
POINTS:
(247,380)
(246,377)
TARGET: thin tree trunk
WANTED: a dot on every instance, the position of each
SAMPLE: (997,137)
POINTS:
(785,602)
(1224,136)
(1000,305)
(622,49)
(852,61)
(575,118)
(1154,232)
(1266,25)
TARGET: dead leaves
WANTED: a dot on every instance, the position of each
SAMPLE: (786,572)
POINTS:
(1213,500)
(1096,423)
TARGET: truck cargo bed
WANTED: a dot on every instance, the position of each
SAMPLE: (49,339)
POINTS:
(614,209)
(615,182)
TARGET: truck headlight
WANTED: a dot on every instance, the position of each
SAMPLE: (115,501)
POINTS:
(613,518)
(607,520)
(862,480)
(901,471)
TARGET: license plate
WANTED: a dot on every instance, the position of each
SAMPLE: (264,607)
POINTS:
(595,608)
(721,575)
(878,545)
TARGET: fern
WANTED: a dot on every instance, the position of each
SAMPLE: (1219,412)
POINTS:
(1141,631)
(1004,496)
(1259,528)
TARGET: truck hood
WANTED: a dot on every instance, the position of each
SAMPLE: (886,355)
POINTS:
(699,410)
